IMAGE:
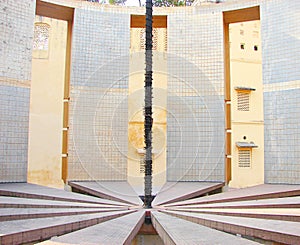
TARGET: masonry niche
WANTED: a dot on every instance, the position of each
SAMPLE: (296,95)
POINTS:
(49,91)
(244,99)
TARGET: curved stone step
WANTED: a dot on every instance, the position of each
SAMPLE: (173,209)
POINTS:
(286,232)
(174,230)
(30,230)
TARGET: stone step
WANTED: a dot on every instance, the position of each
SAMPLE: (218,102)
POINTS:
(31,230)
(284,202)
(288,214)
(17,202)
(119,191)
(173,230)
(26,190)
(179,191)
(279,231)
(7,214)
(264,191)
(113,232)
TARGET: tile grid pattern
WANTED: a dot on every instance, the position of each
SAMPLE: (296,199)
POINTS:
(281,102)
(16,18)
(99,91)
(195,97)
(281,76)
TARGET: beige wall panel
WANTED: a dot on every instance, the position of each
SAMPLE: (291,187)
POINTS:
(46,108)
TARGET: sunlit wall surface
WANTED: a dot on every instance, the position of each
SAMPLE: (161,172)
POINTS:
(98,133)
(16,18)
(99,91)
(195,120)
(281,76)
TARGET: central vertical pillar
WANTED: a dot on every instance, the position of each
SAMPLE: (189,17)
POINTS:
(148,107)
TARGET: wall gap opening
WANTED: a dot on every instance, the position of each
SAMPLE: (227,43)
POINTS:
(136,102)
(243,95)
(49,102)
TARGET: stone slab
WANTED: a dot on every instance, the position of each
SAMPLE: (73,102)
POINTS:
(178,191)
(17,202)
(288,214)
(284,202)
(112,190)
(29,230)
(113,232)
(280,231)
(264,191)
(28,190)
(174,230)
(7,214)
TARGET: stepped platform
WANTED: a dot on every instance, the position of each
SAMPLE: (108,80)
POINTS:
(111,190)
(174,230)
(284,202)
(26,190)
(279,231)
(30,230)
(179,191)
(113,232)
(287,214)
(29,216)
(265,191)
(17,202)
(7,214)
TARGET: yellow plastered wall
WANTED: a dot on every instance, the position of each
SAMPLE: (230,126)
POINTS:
(246,126)
(135,107)
(46,107)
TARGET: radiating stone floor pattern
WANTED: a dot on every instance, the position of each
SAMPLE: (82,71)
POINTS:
(181,214)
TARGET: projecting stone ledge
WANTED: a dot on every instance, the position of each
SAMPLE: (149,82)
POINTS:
(17,202)
(287,214)
(113,232)
(179,191)
(174,230)
(31,230)
(32,191)
(264,191)
(119,191)
(283,202)
(280,231)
